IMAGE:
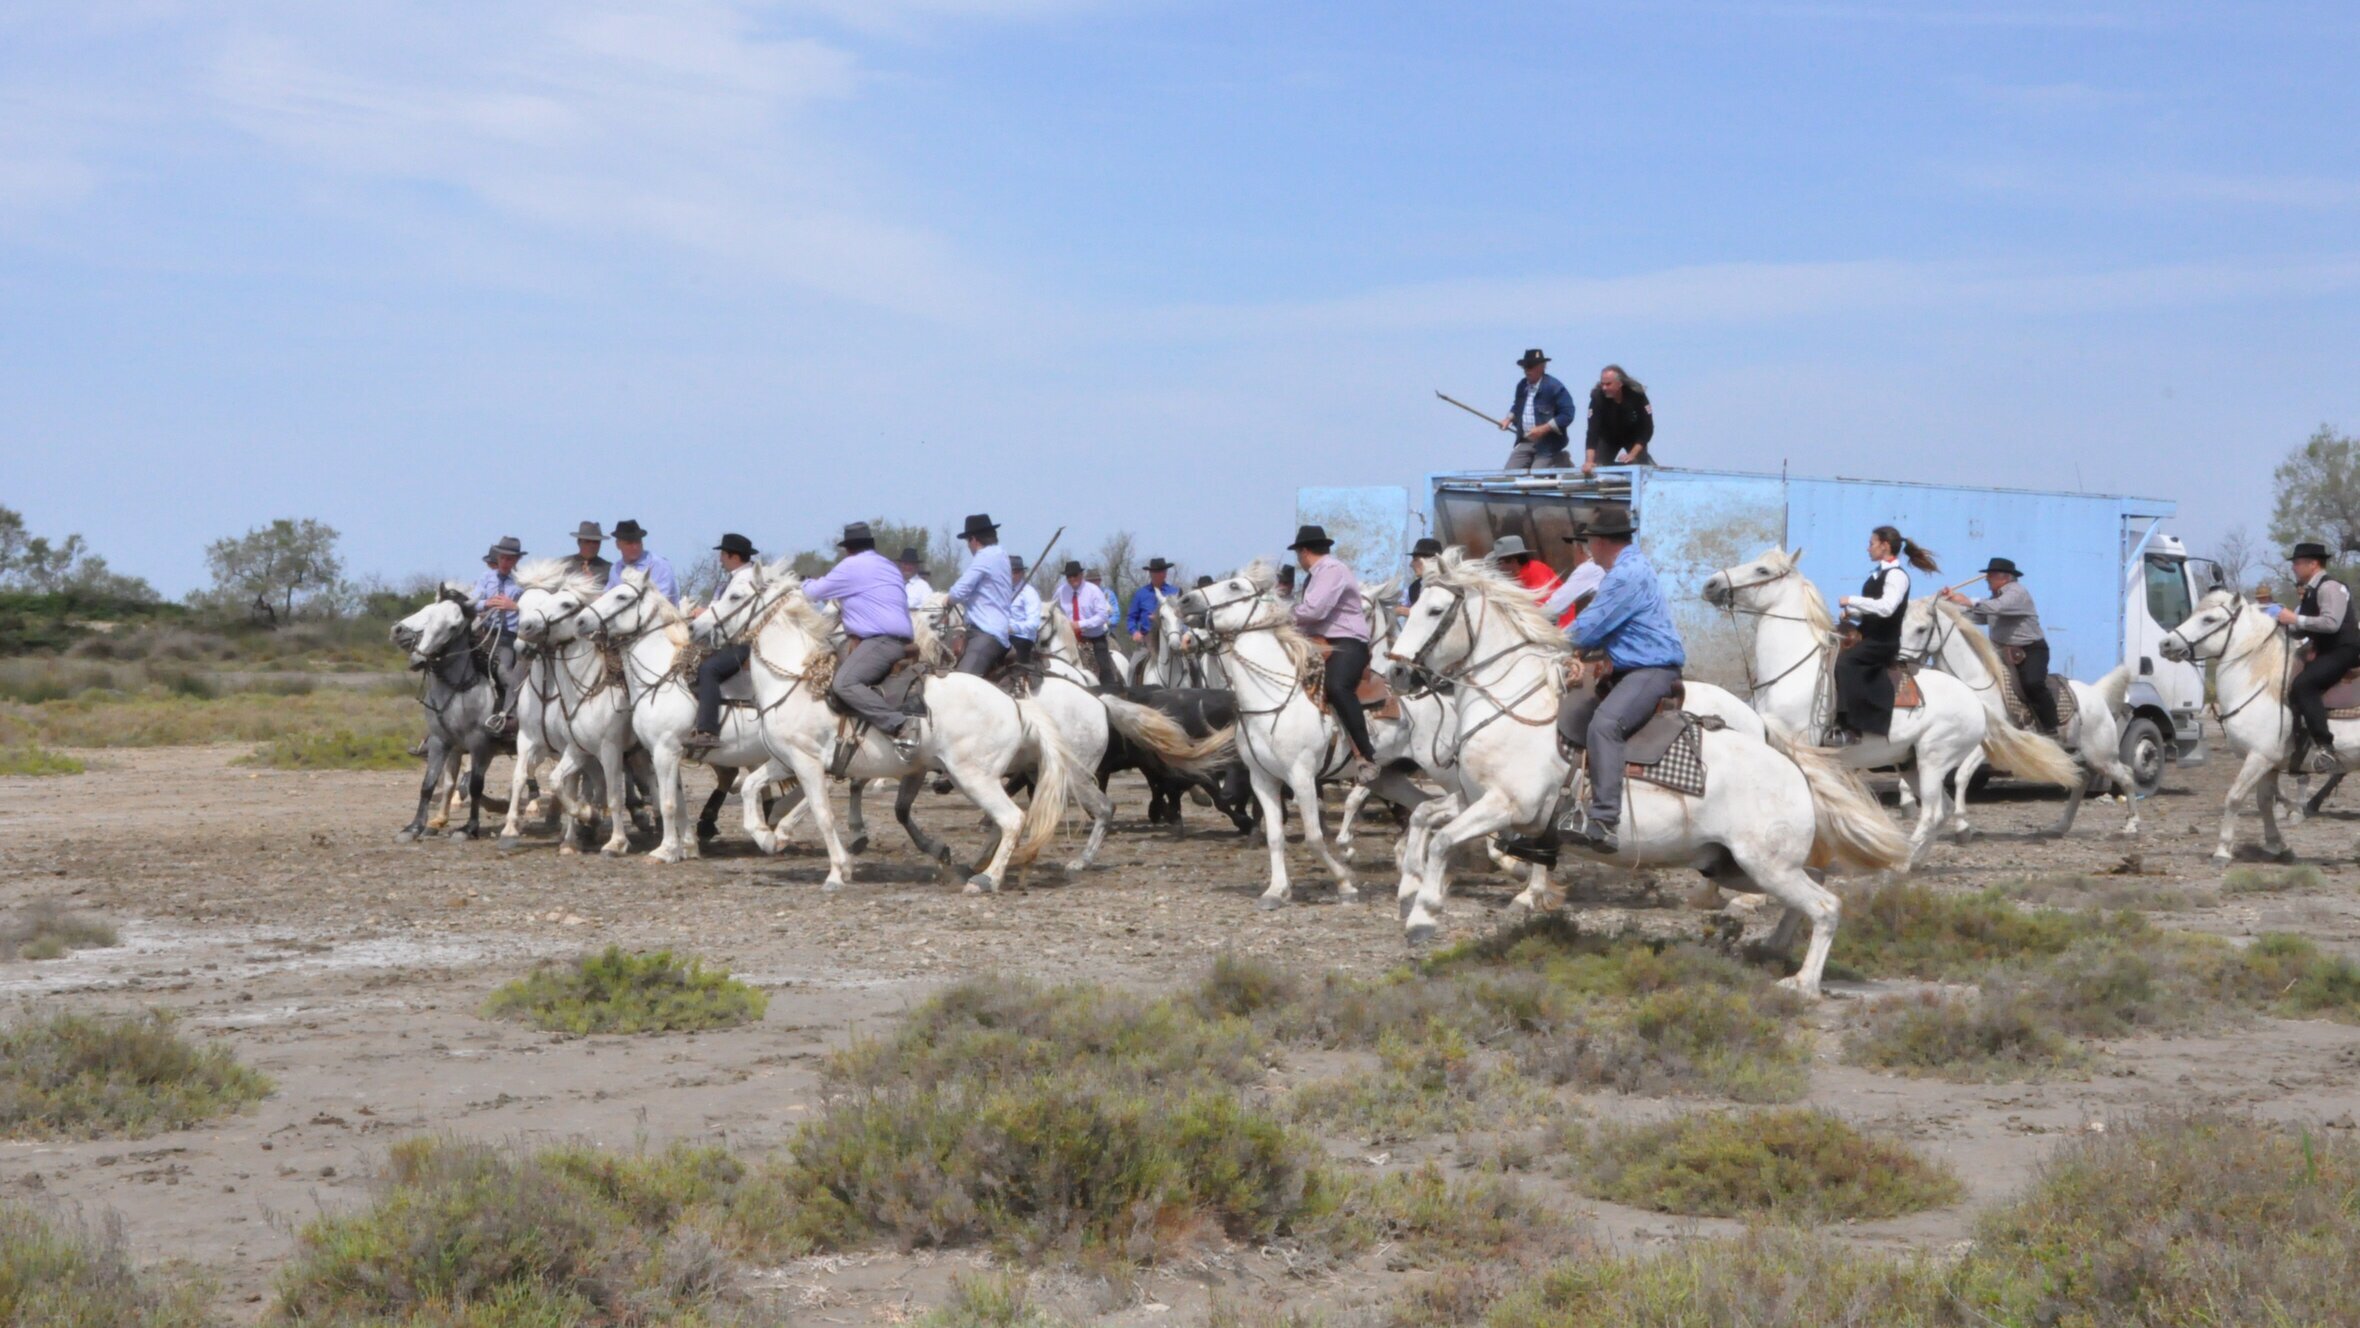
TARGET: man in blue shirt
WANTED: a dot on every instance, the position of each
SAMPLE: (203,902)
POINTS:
(986,592)
(1541,418)
(495,596)
(1632,623)
(631,554)
(1140,616)
(1024,615)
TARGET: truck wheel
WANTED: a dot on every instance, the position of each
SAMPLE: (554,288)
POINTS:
(2143,750)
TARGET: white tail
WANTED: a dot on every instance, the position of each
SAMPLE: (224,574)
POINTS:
(2115,690)
(2028,755)
(1851,830)
(1053,783)
(1160,733)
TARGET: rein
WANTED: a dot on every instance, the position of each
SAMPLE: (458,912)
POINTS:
(1465,673)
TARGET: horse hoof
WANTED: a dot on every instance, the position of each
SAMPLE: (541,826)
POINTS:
(980,884)
(1795,985)
(1420,934)
(859,844)
(1270,903)
(568,851)
(1347,896)
(511,843)
(2283,856)
(409,836)
(1077,866)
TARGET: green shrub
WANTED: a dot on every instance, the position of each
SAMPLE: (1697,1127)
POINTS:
(2107,892)
(1430,1085)
(2251,880)
(1790,1162)
(83,1076)
(55,1275)
(44,930)
(988,1300)
(1905,930)
(1999,1036)
(619,992)
(1013,1027)
(2289,975)
(340,749)
(35,760)
(1770,1277)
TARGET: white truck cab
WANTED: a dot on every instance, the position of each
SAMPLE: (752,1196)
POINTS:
(2166,698)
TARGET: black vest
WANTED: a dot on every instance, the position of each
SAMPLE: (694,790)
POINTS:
(1887,628)
(2346,633)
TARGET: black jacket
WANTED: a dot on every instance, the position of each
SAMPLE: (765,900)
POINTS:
(1619,425)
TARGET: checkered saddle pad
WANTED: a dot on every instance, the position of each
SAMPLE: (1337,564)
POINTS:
(1668,751)
(2020,711)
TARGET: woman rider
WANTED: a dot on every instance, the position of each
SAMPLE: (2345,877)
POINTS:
(1864,681)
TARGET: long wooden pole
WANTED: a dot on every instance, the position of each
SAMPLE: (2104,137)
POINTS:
(1491,420)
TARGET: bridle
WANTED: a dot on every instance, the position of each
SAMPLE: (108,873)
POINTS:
(730,635)
(546,678)
(1939,635)
(2228,624)
(607,639)
(1225,639)
(1735,611)
(1466,672)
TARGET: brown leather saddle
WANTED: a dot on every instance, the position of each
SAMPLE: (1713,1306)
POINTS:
(2343,698)
(904,687)
(1376,697)
(1906,693)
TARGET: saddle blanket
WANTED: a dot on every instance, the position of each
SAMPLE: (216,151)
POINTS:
(1906,693)
(2020,711)
(1668,751)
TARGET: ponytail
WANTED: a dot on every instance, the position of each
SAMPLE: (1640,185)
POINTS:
(1919,556)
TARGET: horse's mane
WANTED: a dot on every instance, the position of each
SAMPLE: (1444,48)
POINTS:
(551,576)
(2219,597)
(1984,650)
(1815,609)
(1383,592)
(1061,626)
(1268,613)
(784,589)
(668,613)
(1480,578)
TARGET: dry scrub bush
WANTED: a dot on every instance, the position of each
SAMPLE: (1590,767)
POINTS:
(1995,1036)
(159,718)
(2108,892)
(63,1275)
(33,760)
(84,1076)
(1916,931)
(45,930)
(2265,880)
(1793,1163)
(1432,1084)
(618,992)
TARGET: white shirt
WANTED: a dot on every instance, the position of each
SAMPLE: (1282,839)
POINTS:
(1895,598)
(918,591)
(1024,613)
(1579,582)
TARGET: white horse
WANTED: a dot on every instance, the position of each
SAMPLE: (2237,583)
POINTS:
(572,709)
(458,697)
(1286,738)
(972,731)
(1940,635)
(652,636)
(1767,814)
(2256,661)
(1794,642)
(1177,656)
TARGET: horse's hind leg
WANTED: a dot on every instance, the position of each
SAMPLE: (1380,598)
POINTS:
(725,778)
(1961,781)
(1814,903)
(903,800)
(1306,786)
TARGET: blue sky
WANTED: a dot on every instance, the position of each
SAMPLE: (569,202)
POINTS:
(436,272)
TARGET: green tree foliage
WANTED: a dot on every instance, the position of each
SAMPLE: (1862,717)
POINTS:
(35,563)
(2318,492)
(282,566)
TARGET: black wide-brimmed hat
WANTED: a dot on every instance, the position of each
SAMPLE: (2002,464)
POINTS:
(735,543)
(1428,547)
(2311,549)
(589,530)
(508,544)
(857,533)
(1072,568)
(910,554)
(1314,538)
(628,529)
(1286,574)
(2007,565)
(1532,357)
(1158,565)
(979,527)
(1015,565)
(1203,581)
(1613,523)
(1509,546)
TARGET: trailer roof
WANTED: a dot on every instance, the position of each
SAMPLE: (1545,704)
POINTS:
(1615,482)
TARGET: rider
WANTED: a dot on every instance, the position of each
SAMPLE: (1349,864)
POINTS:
(1330,610)
(1422,556)
(585,558)
(2015,629)
(1573,594)
(1024,615)
(2325,618)
(1139,618)
(985,590)
(876,615)
(1286,583)
(737,559)
(916,589)
(1632,623)
(1088,609)
(1864,681)
(495,596)
(1517,561)
(631,544)
(1541,418)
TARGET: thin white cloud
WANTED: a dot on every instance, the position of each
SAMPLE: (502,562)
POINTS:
(1939,15)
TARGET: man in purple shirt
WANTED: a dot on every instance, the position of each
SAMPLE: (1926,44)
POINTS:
(1329,609)
(868,589)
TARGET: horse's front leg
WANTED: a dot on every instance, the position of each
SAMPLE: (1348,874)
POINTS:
(1305,782)
(430,782)
(2273,843)
(479,760)
(855,819)
(1411,856)
(1274,828)
(1353,802)
(904,799)
(669,793)
(2249,778)
(1487,815)
(725,778)
(1961,780)
(1930,809)
(528,753)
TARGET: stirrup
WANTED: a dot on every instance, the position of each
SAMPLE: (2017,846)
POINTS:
(499,725)
(905,743)
(700,742)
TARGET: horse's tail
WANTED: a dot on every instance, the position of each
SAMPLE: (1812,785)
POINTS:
(1057,781)
(1848,827)
(2028,755)
(2114,690)
(1160,733)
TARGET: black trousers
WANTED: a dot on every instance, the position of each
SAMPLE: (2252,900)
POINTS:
(1864,687)
(2308,692)
(718,668)
(982,652)
(507,671)
(1022,648)
(2032,679)
(1347,660)
(1101,655)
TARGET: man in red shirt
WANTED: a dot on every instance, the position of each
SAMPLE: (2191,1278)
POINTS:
(1517,561)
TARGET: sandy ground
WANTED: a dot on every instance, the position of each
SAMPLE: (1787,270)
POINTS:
(274,911)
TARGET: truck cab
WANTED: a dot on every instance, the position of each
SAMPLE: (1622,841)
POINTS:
(2166,698)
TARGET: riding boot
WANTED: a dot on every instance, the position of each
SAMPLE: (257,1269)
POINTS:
(1540,849)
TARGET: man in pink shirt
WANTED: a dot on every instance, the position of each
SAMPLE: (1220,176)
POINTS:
(1328,608)
(869,590)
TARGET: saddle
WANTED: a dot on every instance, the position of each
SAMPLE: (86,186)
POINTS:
(2020,710)
(1376,697)
(903,687)
(2342,698)
(1668,751)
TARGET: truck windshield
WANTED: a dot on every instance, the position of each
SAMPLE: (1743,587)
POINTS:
(2167,592)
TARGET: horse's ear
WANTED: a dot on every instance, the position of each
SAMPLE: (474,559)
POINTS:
(1795,559)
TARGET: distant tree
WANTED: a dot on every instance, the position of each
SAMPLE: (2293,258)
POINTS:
(2318,492)
(1118,563)
(32,562)
(702,581)
(936,549)
(281,566)
(2239,556)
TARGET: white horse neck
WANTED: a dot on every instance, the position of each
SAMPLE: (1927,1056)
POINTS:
(2253,670)
(1265,678)
(1789,650)
(1504,671)
(576,667)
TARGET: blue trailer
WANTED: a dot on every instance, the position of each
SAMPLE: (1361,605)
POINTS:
(2109,580)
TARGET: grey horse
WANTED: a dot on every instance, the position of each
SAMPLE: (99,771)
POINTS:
(440,639)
